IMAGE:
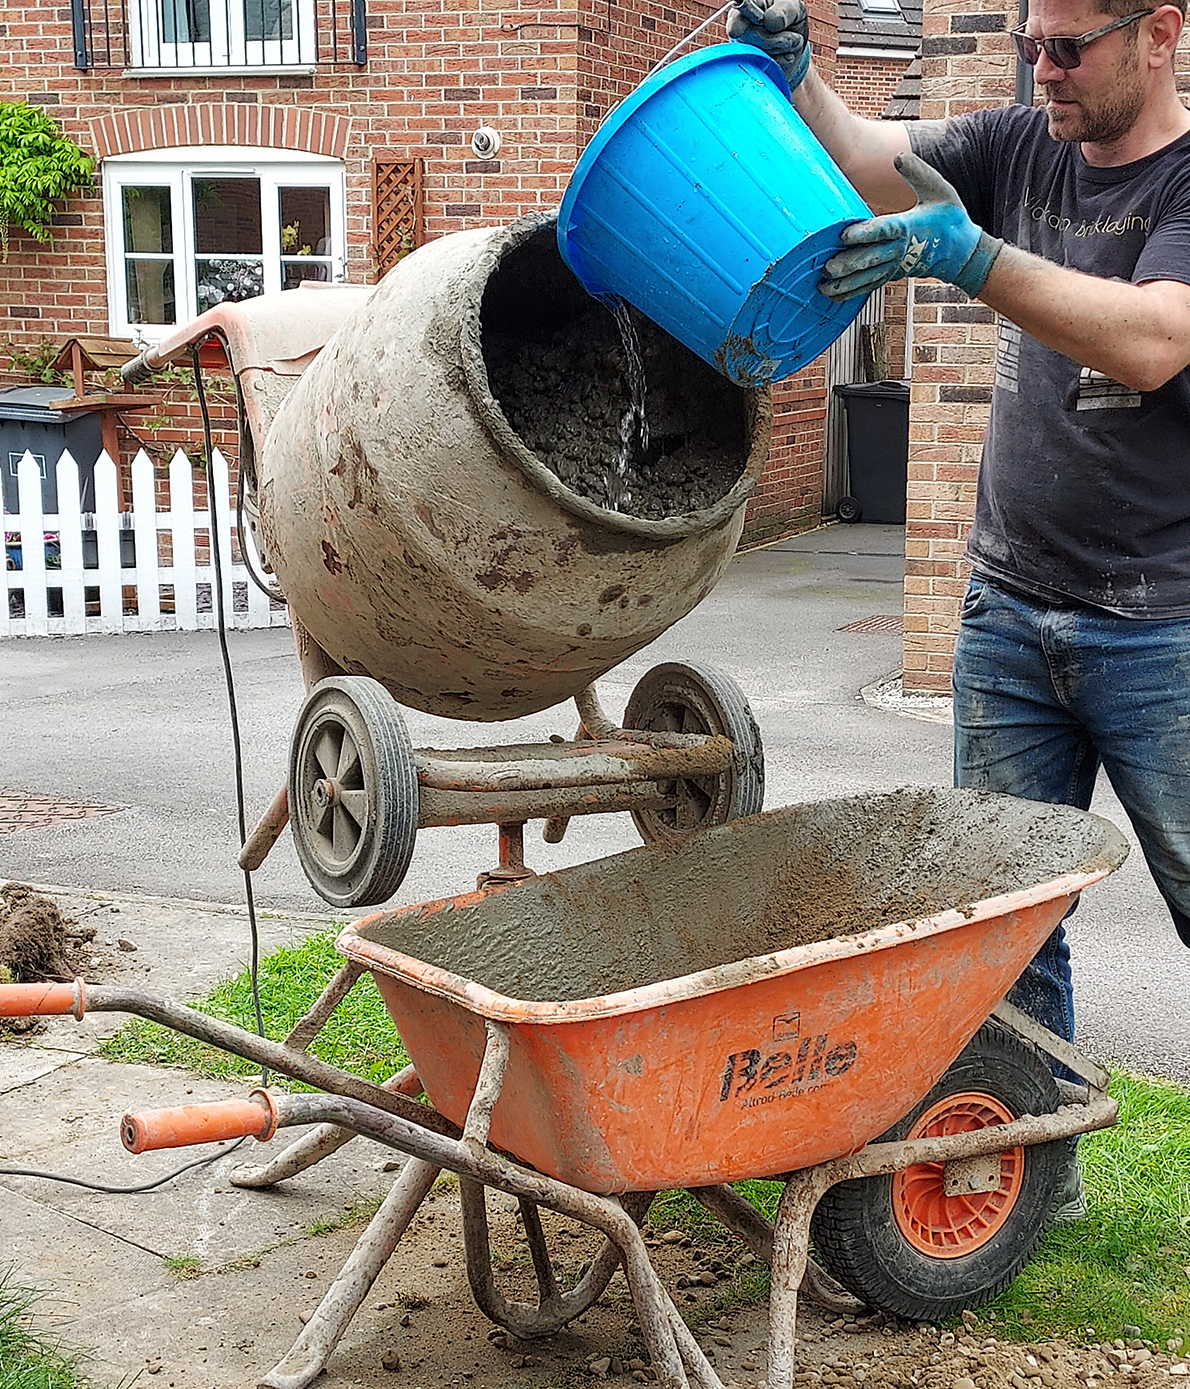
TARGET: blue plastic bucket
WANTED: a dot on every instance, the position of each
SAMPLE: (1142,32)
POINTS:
(705,201)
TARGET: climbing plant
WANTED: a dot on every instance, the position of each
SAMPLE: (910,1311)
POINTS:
(38,165)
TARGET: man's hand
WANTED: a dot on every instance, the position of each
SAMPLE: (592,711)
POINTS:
(936,239)
(780,28)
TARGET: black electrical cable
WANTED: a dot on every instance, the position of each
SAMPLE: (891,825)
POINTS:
(221,628)
(121,1190)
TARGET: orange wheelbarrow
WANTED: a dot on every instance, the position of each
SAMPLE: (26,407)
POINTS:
(814,994)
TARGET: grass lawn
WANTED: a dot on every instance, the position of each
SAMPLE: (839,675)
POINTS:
(1127,1264)
(30,1357)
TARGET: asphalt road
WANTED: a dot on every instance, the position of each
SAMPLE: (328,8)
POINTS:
(142,722)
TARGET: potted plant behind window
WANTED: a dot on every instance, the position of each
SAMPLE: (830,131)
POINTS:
(39,164)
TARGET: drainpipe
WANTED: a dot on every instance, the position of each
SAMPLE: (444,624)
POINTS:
(1024,73)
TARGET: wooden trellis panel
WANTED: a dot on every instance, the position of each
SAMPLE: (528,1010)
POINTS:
(397,224)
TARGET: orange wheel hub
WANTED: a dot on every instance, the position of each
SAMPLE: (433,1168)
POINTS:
(948,1227)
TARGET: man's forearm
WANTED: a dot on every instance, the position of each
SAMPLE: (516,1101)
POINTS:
(862,148)
(1136,334)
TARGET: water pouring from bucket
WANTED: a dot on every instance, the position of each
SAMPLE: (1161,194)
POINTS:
(705,201)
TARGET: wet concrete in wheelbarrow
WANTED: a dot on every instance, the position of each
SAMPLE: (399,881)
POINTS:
(789,877)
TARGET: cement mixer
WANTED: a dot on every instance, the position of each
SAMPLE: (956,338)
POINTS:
(452,479)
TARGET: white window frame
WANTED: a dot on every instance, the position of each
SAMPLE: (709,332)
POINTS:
(274,168)
(228,46)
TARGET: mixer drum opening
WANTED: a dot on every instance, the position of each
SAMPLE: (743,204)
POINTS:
(559,368)
(420,539)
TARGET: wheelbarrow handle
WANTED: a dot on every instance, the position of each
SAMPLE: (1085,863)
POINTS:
(212,1122)
(42,1000)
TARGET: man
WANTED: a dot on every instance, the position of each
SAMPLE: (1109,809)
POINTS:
(1074,647)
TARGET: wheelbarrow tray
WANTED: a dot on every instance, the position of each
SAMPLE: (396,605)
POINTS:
(742,1002)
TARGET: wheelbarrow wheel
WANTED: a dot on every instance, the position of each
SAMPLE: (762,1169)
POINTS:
(901,1243)
(353,792)
(677,698)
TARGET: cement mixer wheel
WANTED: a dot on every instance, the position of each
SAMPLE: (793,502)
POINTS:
(353,793)
(902,1244)
(693,698)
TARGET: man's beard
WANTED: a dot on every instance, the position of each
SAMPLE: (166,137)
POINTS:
(1108,120)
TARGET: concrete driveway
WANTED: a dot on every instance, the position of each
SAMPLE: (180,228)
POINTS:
(142,722)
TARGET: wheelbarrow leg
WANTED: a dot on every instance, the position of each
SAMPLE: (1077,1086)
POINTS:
(791,1249)
(656,1314)
(652,1305)
(744,1220)
(310,1352)
(554,1309)
(699,1370)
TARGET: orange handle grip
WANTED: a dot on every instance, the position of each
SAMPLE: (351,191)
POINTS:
(42,1000)
(212,1122)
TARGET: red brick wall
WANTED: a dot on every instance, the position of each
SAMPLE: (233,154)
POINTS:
(431,80)
(966,64)
(867,84)
(542,77)
(788,497)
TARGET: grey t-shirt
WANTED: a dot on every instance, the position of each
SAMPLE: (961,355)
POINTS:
(1084,490)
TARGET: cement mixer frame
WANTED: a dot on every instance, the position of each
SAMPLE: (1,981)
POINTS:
(357,792)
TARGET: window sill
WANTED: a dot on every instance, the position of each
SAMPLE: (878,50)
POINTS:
(270,70)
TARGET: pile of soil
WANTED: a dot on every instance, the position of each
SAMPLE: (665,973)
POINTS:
(38,941)
(34,938)
(568,397)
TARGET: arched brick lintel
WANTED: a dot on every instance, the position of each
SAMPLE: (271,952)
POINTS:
(272,127)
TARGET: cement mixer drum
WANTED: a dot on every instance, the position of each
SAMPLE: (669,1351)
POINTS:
(436,491)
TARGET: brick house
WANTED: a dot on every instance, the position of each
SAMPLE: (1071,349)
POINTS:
(248,144)
(878,43)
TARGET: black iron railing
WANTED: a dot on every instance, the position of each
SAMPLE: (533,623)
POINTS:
(213,35)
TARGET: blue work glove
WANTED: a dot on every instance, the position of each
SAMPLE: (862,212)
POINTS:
(780,28)
(935,240)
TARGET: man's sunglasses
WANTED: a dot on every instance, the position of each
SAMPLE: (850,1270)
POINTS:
(1063,50)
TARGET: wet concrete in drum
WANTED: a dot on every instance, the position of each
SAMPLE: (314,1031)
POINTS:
(568,399)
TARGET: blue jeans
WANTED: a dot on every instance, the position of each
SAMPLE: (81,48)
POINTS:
(1045,696)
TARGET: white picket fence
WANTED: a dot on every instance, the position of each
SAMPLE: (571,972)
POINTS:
(93,591)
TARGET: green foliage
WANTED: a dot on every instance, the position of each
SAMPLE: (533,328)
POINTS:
(360,1036)
(38,166)
(37,363)
(183,1267)
(29,1358)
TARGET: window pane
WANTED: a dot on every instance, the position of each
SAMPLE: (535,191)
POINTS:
(148,221)
(293,272)
(151,291)
(268,19)
(305,221)
(227,217)
(186,21)
(228,279)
